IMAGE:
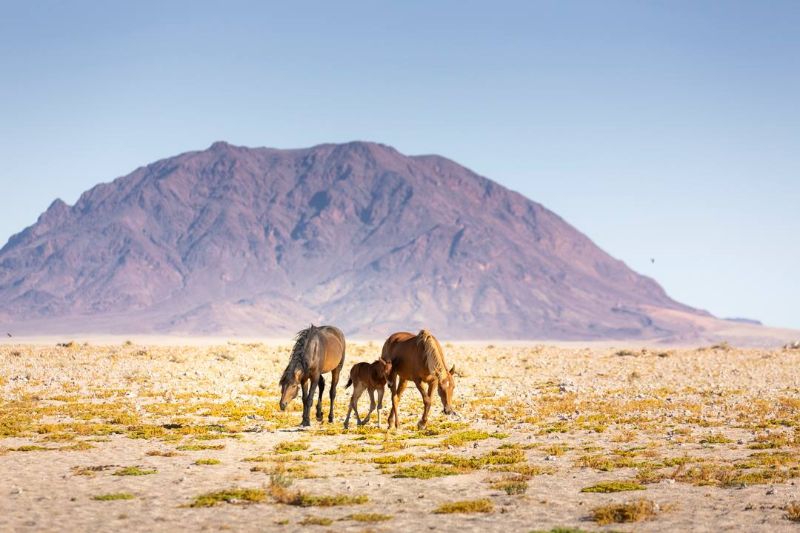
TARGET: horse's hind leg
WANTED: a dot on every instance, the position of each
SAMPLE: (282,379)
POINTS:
(401,386)
(351,407)
(334,382)
(319,401)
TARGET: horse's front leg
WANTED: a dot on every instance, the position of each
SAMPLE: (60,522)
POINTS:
(426,401)
(371,407)
(319,401)
(334,383)
(309,400)
(401,386)
(380,403)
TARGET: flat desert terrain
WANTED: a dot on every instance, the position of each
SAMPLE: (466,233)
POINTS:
(141,437)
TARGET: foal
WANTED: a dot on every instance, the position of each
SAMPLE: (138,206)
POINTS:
(371,377)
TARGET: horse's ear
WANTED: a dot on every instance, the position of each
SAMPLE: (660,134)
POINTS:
(452,370)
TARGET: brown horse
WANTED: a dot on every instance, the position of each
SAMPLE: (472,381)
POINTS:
(317,350)
(370,377)
(418,358)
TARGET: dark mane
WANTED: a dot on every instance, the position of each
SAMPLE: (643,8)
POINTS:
(297,359)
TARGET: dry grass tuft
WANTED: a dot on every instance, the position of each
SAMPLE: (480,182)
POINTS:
(233,495)
(466,506)
(620,513)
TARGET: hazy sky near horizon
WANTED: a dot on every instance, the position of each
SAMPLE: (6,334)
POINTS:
(665,130)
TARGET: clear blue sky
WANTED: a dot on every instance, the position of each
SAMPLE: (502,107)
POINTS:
(660,129)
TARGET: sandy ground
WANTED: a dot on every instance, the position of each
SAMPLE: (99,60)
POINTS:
(708,438)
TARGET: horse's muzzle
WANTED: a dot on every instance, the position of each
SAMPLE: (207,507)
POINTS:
(283,406)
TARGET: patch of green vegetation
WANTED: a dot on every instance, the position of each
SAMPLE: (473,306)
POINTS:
(715,438)
(289,447)
(420,471)
(368,517)
(393,459)
(512,486)
(208,461)
(113,496)
(463,437)
(315,521)
(233,495)
(466,506)
(614,486)
(134,471)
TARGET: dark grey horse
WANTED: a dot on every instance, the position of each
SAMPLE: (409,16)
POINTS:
(317,350)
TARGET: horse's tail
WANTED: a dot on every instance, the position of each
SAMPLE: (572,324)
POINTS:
(434,358)
(349,382)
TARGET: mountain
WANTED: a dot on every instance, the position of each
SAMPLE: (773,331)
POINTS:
(258,241)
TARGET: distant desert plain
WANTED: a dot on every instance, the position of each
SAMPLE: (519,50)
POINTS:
(144,436)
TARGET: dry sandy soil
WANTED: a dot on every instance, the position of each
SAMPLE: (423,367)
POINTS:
(164,438)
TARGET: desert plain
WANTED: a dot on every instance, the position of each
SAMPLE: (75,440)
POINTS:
(141,437)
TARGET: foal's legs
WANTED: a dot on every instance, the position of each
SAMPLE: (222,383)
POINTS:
(371,407)
(334,381)
(358,389)
(319,400)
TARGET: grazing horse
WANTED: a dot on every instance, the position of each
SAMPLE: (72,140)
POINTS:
(317,350)
(370,377)
(418,358)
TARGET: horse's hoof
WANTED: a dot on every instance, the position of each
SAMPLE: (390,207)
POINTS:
(421,425)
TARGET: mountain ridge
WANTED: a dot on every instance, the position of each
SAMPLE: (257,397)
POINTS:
(241,240)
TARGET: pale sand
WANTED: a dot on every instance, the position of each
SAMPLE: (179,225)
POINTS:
(561,409)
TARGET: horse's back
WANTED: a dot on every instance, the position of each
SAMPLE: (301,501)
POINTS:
(333,347)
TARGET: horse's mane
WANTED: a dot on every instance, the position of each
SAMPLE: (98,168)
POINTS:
(298,354)
(434,359)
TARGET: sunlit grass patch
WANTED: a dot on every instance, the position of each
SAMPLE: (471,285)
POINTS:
(523,469)
(466,506)
(614,486)
(209,461)
(233,495)
(393,459)
(620,513)
(715,438)
(425,471)
(368,517)
(315,521)
(511,486)
(161,453)
(290,446)
(134,471)
(463,437)
(113,496)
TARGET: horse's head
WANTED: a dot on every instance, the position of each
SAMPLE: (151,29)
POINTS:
(290,384)
(383,368)
(446,387)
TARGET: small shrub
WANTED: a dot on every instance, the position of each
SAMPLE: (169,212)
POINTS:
(315,521)
(207,462)
(134,471)
(289,447)
(368,517)
(793,512)
(466,506)
(620,513)
(234,495)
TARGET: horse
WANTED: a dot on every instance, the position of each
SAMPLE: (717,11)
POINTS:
(317,350)
(418,358)
(370,377)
